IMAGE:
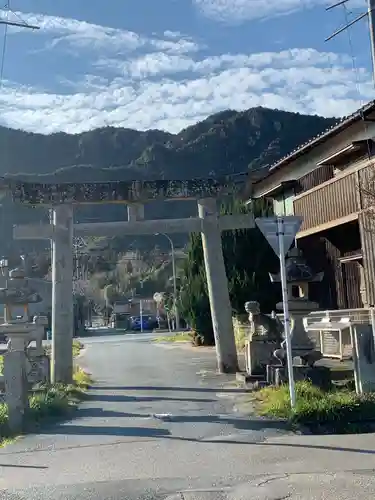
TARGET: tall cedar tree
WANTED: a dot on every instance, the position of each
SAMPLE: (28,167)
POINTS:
(248,261)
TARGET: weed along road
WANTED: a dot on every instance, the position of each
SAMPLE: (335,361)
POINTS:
(160,423)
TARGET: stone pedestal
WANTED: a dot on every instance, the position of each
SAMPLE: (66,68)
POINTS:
(16,389)
(299,308)
(363,357)
(264,336)
(298,276)
(320,376)
(37,363)
(38,370)
(15,377)
(259,354)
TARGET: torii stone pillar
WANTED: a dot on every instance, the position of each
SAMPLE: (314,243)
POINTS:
(208,223)
(62,294)
(217,284)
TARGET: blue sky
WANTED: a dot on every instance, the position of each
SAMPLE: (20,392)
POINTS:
(170,63)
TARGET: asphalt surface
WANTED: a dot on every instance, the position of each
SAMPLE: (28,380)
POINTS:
(161,424)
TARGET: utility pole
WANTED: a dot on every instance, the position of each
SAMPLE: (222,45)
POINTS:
(4,266)
(371,20)
(371,23)
(141,305)
(175,298)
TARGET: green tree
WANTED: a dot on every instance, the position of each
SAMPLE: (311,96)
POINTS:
(248,261)
(194,303)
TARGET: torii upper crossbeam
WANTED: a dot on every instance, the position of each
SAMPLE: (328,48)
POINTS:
(63,197)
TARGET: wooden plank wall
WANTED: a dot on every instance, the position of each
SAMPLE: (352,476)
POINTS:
(321,257)
(367,230)
(366,186)
(314,178)
(352,280)
(340,288)
(327,203)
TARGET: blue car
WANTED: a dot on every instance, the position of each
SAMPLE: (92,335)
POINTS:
(148,323)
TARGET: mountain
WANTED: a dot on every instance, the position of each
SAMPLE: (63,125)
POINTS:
(224,143)
(229,142)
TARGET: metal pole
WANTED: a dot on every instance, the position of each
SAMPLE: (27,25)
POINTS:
(371,22)
(284,290)
(141,309)
(372,321)
(6,275)
(177,317)
(175,307)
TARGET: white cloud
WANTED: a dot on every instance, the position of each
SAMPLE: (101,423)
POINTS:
(245,10)
(171,84)
(160,63)
(84,35)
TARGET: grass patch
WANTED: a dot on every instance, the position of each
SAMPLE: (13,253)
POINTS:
(77,348)
(339,411)
(49,401)
(178,337)
(82,380)
(241,329)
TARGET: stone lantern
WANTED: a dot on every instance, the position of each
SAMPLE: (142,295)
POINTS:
(299,275)
(19,332)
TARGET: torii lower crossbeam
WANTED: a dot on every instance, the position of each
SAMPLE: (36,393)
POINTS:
(208,222)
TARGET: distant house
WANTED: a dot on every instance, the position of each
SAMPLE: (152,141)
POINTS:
(327,181)
(133,306)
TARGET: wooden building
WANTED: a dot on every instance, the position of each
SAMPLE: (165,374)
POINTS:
(330,182)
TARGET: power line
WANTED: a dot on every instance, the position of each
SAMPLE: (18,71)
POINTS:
(370,14)
(20,23)
(3,52)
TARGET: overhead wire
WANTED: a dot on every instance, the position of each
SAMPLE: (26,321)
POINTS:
(352,54)
(356,73)
(6,9)
(19,22)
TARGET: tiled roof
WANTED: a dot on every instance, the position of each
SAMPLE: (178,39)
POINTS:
(341,124)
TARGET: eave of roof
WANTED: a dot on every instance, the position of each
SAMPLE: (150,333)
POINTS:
(354,146)
(330,132)
(271,192)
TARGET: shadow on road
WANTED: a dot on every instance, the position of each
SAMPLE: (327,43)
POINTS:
(169,389)
(84,430)
(256,423)
(141,399)
(100,413)
(147,432)
(291,445)
(250,424)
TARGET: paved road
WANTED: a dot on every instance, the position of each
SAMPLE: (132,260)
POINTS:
(160,423)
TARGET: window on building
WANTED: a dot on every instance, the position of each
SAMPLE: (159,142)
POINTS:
(283,203)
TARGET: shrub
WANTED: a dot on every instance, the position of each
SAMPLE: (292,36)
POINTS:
(337,410)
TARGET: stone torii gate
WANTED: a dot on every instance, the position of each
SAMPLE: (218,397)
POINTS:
(135,194)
